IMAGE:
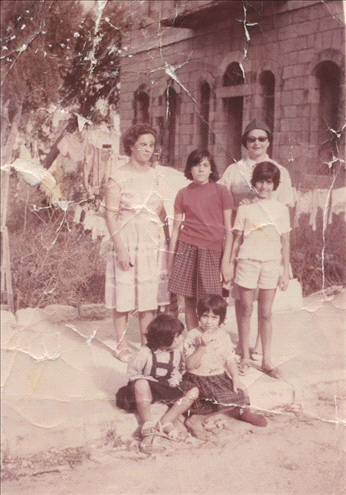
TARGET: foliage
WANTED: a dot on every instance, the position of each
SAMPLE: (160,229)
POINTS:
(37,38)
(96,63)
(309,252)
(53,261)
(53,57)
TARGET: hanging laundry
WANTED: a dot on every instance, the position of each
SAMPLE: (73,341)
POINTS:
(303,205)
(338,203)
(319,200)
(72,147)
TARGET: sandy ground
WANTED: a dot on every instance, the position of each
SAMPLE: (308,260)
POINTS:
(301,451)
(294,454)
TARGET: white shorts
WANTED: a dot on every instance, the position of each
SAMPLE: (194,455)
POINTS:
(253,273)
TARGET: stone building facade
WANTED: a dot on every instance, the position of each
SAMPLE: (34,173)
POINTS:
(200,71)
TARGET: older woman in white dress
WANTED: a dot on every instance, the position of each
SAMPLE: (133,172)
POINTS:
(136,274)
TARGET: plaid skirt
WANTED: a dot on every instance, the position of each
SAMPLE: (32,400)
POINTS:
(215,393)
(196,271)
(160,391)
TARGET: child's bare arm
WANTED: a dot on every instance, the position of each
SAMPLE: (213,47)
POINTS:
(193,361)
(178,218)
(232,369)
(237,242)
(285,250)
(226,270)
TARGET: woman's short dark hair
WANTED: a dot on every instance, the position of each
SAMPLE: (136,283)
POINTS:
(162,331)
(265,171)
(244,137)
(214,303)
(195,157)
(132,134)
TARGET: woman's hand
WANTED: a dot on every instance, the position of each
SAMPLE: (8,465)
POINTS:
(124,259)
(245,201)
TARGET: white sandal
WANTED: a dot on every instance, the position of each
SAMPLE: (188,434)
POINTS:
(124,358)
(173,434)
(147,445)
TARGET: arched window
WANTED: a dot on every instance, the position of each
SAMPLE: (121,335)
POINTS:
(170,125)
(233,75)
(141,108)
(233,107)
(328,75)
(204,115)
(267,81)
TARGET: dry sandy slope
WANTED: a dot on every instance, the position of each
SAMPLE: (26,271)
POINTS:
(301,451)
(293,455)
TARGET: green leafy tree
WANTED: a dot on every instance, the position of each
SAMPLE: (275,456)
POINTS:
(51,54)
(96,63)
(37,43)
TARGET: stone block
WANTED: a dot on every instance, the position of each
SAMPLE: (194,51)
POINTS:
(59,313)
(300,15)
(94,312)
(311,41)
(306,28)
(299,70)
(30,316)
(290,111)
(287,46)
(287,72)
(187,138)
(287,32)
(297,96)
(327,39)
(328,23)
(338,39)
(318,42)
(305,56)
(317,11)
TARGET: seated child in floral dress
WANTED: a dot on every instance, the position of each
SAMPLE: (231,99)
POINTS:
(154,374)
(211,367)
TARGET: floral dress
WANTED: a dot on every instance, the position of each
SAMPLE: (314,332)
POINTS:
(145,285)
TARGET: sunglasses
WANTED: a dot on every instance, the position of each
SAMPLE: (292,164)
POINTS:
(261,139)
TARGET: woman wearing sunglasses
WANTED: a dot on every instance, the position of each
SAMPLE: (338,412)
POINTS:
(237,177)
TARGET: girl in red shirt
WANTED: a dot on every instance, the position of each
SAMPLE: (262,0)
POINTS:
(201,241)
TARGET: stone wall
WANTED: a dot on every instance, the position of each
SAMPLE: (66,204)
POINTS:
(287,40)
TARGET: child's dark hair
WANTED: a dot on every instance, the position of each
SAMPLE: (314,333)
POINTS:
(214,303)
(265,171)
(162,331)
(194,158)
(133,133)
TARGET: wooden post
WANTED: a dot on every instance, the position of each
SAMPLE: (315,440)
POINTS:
(6,282)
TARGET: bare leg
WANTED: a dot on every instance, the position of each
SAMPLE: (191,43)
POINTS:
(120,325)
(258,347)
(191,319)
(144,318)
(143,405)
(180,406)
(143,400)
(237,316)
(246,307)
(265,303)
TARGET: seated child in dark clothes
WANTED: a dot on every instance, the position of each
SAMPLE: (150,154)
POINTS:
(211,367)
(154,375)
